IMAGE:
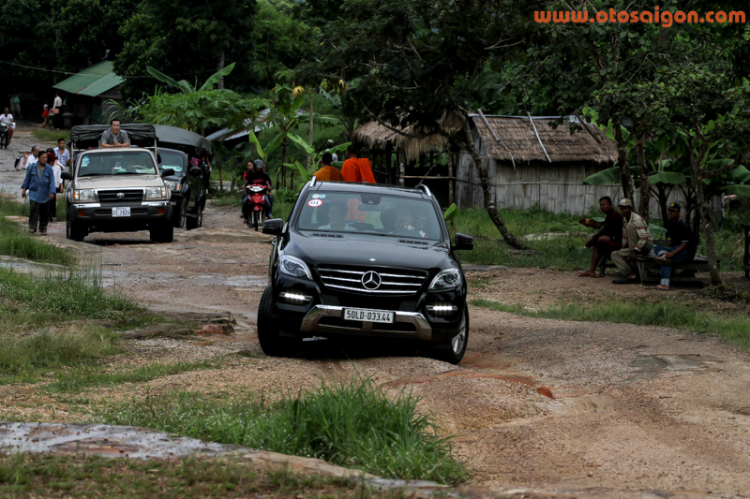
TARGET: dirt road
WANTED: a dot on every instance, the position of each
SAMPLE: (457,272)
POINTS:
(541,405)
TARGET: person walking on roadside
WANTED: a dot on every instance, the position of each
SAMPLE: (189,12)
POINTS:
(45,116)
(15,105)
(62,153)
(57,110)
(356,169)
(39,185)
(328,173)
(29,158)
(115,137)
(636,241)
(6,117)
(57,169)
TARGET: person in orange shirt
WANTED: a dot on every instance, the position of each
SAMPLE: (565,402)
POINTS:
(357,169)
(328,173)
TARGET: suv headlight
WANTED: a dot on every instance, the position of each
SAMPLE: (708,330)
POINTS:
(447,279)
(156,193)
(294,267)
(173,185)
(84,195)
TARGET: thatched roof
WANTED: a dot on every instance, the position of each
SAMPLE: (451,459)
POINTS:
(377,136)
(517,135)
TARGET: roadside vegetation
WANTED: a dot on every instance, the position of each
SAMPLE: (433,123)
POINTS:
(50,137)
(16,241)
(37,475)
(666,313)
(354,425)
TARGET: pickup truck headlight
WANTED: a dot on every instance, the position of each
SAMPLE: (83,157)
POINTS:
(173,185)
(84,195)
(447,279)
(294,267)
(156,193)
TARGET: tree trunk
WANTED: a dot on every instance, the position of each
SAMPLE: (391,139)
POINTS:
(662,195)
(310,132)
(640,155)
(221,180)
(219,67)
(702,216)
(283,163)
(622,158)
(489,198)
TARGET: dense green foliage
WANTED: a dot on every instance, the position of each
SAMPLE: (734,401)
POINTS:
(354,425)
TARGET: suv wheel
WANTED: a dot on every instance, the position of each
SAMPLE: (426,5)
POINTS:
(271,341)
(453,351)
(162,233)
(181,215)
(74,230)
(197,220)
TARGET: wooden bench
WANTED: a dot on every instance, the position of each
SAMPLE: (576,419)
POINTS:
(681,272)
(746,260)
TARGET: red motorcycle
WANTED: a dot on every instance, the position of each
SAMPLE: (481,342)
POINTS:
(255,208)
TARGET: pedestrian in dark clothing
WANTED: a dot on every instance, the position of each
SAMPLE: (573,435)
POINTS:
(39,184)
(608,239)
(682,245)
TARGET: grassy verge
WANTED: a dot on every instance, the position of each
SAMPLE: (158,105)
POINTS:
(666,313)
(38,475)
(16,241)
(354,425)
(50,137)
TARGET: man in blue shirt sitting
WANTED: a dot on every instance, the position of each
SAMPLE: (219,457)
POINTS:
(683,245)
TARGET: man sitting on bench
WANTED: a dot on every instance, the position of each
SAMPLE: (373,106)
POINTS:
(683,245)
(607,240)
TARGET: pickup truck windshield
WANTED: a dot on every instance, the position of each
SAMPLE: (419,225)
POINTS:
(121,163)
(382,215)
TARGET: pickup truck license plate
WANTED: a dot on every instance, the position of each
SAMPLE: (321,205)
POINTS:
(122,211)
(364,315)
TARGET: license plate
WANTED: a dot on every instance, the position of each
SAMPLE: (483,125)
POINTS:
(360,314)
(122,211)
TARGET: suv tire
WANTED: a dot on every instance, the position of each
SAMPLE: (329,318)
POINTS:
(74,230)
(269,336)
(197,220)
(453,351)
(181,215)
(162,233)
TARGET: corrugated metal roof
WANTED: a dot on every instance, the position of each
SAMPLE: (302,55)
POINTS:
(92,81)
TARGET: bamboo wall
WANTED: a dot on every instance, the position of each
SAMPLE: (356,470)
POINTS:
(555,187)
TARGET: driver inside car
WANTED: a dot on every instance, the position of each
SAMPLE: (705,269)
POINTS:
(405,223)
(336,217)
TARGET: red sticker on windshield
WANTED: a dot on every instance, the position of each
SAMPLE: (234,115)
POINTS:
(314,203)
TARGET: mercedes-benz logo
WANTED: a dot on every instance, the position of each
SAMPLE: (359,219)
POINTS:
(120,195)
(371,280)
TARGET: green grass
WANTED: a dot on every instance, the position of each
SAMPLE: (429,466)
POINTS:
(50,137)
(354,425)
(16,241)
(49,475)
(669,313)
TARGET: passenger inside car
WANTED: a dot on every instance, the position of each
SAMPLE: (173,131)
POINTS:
(336,217)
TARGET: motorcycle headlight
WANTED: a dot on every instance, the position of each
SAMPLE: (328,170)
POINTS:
(294,267)
(84,195)
(156,193)
(173,185)
(447,279)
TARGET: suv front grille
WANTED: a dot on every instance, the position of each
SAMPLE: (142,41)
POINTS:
(352,278)
(128,196)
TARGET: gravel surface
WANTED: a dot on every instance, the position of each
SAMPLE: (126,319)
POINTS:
(592,408)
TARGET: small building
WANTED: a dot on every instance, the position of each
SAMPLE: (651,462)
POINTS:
(537,161)
(86,94)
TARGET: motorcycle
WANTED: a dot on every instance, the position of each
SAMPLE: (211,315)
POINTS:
(3,135)
(256,207)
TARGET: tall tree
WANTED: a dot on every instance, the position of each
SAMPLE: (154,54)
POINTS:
(415,60)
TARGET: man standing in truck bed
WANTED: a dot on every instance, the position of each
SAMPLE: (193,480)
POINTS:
(115,137)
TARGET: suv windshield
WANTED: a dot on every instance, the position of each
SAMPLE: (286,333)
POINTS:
(368,213)
(172,160)
(121,163)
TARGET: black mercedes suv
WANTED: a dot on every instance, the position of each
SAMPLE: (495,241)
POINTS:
(364,259)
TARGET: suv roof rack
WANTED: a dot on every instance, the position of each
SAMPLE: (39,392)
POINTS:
(424,189)
(313,180)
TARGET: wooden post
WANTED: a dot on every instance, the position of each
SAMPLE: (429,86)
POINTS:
(401,168)
(451,179)
(388,160)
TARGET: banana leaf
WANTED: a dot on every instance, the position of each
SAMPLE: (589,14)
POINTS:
(451,212)
(739,190)
(302,143)
(608,176)
(667,178)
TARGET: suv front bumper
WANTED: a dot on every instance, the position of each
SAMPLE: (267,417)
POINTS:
(312,323)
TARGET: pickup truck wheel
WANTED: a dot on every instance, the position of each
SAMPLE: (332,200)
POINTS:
(271,341)
(74,230)
(453,351)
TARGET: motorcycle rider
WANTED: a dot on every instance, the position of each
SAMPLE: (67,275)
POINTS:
(256,175)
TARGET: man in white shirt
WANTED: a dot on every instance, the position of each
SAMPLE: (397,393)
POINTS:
(29,159)
(57,110)
(6,117)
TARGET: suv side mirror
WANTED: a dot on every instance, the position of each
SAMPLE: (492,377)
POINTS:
(167,172)
(273,226)
(463,242)
(66,175)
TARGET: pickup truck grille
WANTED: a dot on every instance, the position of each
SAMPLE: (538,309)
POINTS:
(128,196)
(376,281)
